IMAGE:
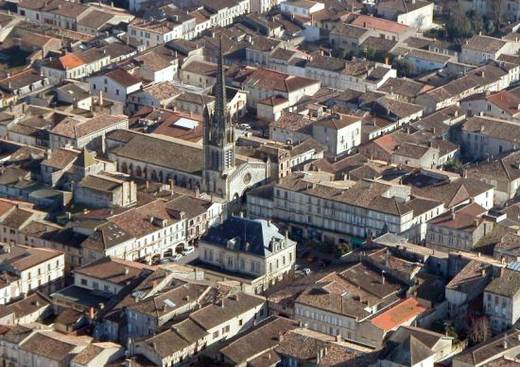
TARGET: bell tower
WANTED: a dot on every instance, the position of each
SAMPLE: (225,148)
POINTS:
(219,138)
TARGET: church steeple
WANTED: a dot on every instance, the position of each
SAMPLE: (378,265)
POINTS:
(220,86)
(219,137)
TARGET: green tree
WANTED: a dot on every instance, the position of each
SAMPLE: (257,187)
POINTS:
(343,248)
(403,67)
(454,165)
(459,25)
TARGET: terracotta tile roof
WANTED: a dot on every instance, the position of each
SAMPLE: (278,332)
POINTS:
(5,206)
(137,221)
(366,21)
(387,142)
(70,61)
(72,128)
(263,337)
(272,101)
(167,343)
(116,271)
(278,82)
(338,121)
(170,300)
(465,219)
(484,44)
(495,128)
(306,345)
(481,354)
(452,193)
(15,334)
(162,152)
(26,306)
(293,122)
(43,345)
(469,277)
(214,315)
(123,77)
(506,285)
(60,158)
(507,101)
(24,257)
(402,6)
(398,314)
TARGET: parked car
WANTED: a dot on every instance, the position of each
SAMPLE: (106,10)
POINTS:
(188,250)
(176,257)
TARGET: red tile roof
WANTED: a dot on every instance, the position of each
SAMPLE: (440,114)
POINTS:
(70,61)
(5,206)
(507,101)
(366,21)
(387,142)
(398,314)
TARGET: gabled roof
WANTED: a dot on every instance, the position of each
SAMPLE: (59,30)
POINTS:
(402,6)
(230,307)
(484,43)
(113,270)
(410,352)
(122,77)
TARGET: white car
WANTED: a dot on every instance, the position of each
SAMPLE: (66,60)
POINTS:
(245,126)
(176,257)
(188,250)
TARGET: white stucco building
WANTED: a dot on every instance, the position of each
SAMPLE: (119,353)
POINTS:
(253,249)
(25,269)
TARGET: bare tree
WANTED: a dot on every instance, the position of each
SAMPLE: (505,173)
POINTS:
(496,12)
(479,330)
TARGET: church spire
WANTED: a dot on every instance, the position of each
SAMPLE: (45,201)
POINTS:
(220,86)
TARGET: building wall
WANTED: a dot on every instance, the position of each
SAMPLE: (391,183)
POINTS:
(338,141)
(124,195)
(479,146)
(92,141)
(47,276)
(307,210)
(111,89)
(502,311)
(270,269)
(96,284)
(256,93)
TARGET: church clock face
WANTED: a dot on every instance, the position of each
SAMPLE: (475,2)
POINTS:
(247,178)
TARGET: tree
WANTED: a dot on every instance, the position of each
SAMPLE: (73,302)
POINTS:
(496,11)
(454,165)
(443,327)
(341,53)
(479,330)
(477,22)
(370,53)
(343,248)
(403,67)
(459,25)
